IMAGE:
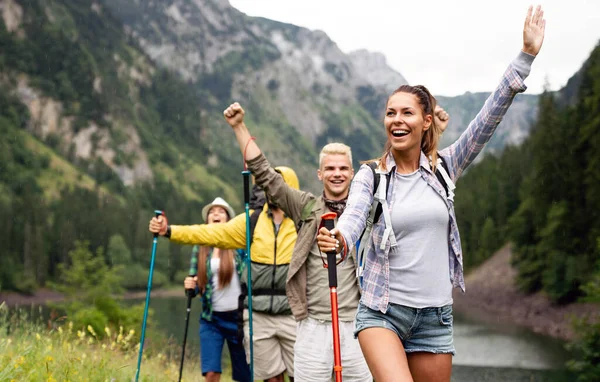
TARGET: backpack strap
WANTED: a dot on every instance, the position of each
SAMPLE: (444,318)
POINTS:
(240,311)
(441,172)
(381,186)
(253,220)
(381,195)
(376,180)
(306,211)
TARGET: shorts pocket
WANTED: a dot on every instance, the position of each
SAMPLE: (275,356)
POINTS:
(445,316)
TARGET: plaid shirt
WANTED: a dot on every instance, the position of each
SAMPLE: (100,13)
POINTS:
(458,156)
(208,290)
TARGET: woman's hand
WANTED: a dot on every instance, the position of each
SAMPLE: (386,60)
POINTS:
(234,115)
(533,31)
(158,225)
(190,282)
(329,240)
(441,118)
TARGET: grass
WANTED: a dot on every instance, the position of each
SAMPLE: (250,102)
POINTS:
(52,352)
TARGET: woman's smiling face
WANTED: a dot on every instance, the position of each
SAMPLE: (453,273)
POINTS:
(217,214)
(405,122)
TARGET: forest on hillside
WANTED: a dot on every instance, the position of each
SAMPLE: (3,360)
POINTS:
(49,197)
(542,195)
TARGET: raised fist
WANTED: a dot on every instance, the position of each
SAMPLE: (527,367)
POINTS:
(234,115)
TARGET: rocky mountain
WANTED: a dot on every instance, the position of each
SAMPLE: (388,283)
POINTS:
(102,105)
(311,89)
(511,131)
(374,67)
(300,89)
(159,73)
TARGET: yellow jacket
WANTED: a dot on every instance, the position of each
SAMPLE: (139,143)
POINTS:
(264,248)
(270,254)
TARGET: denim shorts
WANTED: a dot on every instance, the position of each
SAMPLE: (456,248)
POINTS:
(213,334)
(420,330)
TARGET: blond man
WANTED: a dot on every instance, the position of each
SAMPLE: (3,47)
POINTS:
(307,284)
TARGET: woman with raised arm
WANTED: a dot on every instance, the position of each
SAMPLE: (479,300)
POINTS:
(413,254)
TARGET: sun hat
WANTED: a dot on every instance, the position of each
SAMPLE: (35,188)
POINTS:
(218,202)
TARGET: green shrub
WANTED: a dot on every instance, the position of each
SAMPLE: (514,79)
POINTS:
(586,348)
(91,288)
(25,285)
(91,316)
(135,277)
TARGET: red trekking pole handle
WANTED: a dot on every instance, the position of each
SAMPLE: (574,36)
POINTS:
(328,222)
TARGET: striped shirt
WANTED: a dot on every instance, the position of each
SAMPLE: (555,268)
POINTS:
(458,156)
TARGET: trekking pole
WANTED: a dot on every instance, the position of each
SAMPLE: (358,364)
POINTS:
(246,175)
(190,294)
(328,222)
(154,243)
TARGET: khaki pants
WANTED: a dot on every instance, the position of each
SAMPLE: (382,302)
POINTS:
(274,337)
(314,353)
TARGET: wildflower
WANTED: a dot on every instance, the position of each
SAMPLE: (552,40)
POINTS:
(60,331)
(19,362)
(37,335)
(49,359)
(103,346)
(107,331)
(8,341)
(131,333)
(91,330)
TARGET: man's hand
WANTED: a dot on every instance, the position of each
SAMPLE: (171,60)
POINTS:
(234,115)
(533,31)
(441,118)
(158,225)
(329,240)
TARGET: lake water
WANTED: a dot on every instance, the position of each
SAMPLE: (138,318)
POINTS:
(484,351)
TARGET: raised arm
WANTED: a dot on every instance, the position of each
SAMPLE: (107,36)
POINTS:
(481,129)
(234,115)
(291,201)
(230,235)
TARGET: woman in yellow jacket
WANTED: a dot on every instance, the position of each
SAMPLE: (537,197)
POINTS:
(271,249)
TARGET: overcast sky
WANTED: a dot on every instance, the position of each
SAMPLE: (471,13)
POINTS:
(449,46)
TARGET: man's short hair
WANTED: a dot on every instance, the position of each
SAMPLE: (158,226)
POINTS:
(335,148)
